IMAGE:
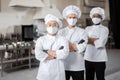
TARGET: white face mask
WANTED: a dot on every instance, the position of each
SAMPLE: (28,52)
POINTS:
(96,20)
(72,21)
(52,30)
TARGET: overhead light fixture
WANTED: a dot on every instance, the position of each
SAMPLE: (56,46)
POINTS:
(26,3)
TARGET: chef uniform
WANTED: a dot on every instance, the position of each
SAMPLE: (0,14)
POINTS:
(95,54)
(52,69)
(74,63)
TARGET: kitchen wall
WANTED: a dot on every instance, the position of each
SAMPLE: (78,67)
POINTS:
(10,16)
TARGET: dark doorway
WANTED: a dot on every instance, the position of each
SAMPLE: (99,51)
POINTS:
(115,21)
(27,32)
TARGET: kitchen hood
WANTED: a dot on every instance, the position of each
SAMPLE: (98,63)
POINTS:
(42,12)
(26,3)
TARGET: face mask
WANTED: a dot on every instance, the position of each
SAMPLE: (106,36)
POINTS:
(96,20)
(72,21)
(52,30)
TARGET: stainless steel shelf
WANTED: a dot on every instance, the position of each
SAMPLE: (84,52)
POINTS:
(29,57)
(19,59)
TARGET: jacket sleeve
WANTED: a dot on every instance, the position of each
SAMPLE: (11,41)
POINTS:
(39,54)
(60,32)
(81,47)
(63,53)
(100,43)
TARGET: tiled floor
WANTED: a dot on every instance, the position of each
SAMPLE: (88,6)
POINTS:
(112,71)
(114,76)
(25,74)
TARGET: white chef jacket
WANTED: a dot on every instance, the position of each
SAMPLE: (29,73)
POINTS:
(51,69)
(97,52)
(75,60)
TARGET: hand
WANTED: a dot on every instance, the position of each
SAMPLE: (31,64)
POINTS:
(92,40)
(49,57)
(75,47)
(72,47)
(52,53)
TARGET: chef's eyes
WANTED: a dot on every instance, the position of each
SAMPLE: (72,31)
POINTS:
(52,25)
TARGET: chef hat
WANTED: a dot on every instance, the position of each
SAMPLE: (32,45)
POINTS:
(98,10)
(71,9)
(50,17)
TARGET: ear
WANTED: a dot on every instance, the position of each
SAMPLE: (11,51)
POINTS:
(58,26)
(45,25)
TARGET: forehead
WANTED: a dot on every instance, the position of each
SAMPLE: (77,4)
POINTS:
(96,15)
(51,22)
(71,15)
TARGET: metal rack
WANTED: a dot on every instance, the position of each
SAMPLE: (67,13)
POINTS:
(17,59)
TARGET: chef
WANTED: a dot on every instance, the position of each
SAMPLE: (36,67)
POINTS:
(74,63)
(51,50)
(95,54)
